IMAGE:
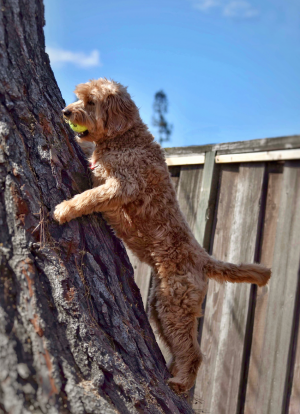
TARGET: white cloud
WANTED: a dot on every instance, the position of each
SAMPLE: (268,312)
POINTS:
(59,57)
(235,9)
(240,9)
(204,5)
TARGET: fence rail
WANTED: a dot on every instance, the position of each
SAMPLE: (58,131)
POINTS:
(244,209)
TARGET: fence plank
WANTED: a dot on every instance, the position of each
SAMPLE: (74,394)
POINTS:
(267,251)
(227,305)
(192,159)
(206,206)
(294,406)
(289,154)
(142,276)
(273,366)
(215,295)
(175,174)
(254,145)
(270,381)
(188,192)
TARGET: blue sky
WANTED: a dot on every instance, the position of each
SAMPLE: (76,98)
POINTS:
(230,68)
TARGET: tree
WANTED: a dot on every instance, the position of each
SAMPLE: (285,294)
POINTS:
(160,108)
(74,337)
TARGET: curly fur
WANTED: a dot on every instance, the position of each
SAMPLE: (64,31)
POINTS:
(133,190)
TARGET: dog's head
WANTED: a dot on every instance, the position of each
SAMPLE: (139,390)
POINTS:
(104,107)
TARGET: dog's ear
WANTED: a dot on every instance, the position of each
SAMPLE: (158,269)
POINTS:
(120,112)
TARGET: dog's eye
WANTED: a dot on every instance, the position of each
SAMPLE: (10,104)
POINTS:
(91,103)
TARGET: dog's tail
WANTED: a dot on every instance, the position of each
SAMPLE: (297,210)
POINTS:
(243,273)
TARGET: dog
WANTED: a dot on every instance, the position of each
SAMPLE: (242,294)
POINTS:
(133,190)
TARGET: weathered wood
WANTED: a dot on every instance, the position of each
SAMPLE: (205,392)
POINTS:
(192,159)
(255,145)
(204,220)
(291,154)
(227,305)
(188,192)
(189,150)
(206,205)
(142,276)
(215,296)
(246,382)
(273,367)
(294,403)
(175,174)
(267,251)
(74,337)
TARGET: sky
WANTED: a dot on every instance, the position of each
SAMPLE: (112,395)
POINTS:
(230,68)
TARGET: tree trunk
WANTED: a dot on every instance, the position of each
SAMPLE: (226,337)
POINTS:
(74,337)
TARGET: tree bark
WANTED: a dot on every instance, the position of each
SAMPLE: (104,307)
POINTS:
(74,337)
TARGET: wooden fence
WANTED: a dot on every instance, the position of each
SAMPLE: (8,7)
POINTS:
(242,201)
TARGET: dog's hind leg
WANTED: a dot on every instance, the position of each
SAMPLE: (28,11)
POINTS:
(157,325)
(178,307)
(153,313)
(187,359)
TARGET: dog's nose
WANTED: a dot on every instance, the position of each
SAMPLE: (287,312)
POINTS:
(66,112)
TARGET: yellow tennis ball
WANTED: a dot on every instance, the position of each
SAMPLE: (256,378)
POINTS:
(77,128)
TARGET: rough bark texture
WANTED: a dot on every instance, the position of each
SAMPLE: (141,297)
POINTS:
(74,337)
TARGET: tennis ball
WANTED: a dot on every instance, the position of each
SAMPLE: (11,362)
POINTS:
(77,128)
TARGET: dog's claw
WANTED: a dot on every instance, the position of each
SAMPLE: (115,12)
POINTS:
(60,213)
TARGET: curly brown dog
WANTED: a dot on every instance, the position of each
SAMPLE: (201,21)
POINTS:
(133,190)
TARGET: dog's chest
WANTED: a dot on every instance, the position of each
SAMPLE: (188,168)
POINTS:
(101,166)
(99,173)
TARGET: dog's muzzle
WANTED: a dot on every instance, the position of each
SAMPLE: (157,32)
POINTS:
(83,134)
(67,113)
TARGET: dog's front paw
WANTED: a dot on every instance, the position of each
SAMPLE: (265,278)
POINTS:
(62,212)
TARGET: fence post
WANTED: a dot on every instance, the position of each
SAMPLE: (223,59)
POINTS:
(208,194)
(205,218)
